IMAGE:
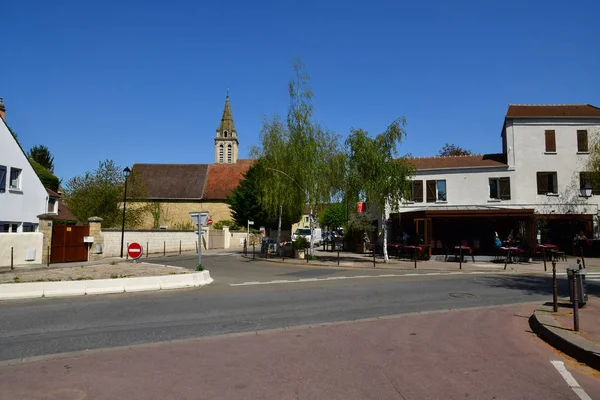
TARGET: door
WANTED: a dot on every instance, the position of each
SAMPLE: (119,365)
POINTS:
(423,232)
(67,243)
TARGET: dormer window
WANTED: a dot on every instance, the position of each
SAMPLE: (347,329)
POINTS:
(224,133)
(52,206)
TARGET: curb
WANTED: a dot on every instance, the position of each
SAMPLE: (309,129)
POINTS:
(545,326)
(31,290)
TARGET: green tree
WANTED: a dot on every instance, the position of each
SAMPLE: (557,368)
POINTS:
(301,158)
(450,150)
(42,156)
(374,174)
(334,216)
(246,201)
(48,179)
(99,193)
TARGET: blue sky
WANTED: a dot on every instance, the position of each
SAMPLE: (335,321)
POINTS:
(145,81)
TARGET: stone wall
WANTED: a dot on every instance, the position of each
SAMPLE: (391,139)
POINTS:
(176,214)
(20,243)
(45,228)
(154,241)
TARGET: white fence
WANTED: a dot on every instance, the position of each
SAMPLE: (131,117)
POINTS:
(153,242)
(26,248)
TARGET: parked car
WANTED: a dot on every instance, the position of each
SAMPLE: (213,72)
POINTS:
(316,239)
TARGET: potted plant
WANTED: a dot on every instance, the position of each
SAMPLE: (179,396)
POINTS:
(300,245)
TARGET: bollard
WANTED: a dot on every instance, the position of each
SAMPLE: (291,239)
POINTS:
(506,259)
(11,259)
(147,250)
(253,249)
(554,287)
(460,259)
(373,256)
(48,261)
(582,258)
(180,247)
(338,256)
(164,248)
(306,252)
(127,257)
(415,256)
(575,304)
(544,256)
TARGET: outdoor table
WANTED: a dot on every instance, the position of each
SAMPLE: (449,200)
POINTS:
(414,249)
(396,247)
(461,250)
(510,251)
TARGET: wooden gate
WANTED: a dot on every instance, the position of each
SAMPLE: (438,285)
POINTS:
(216,239)
(67,243)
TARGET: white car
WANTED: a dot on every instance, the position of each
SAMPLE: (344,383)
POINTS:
(306,233)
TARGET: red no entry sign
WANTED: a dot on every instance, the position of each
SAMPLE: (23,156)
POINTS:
(134,250)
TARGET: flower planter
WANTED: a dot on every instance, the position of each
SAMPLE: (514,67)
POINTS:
(300,254)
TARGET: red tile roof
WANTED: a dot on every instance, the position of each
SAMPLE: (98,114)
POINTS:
(223,178)
(472,161)
(552,111)
(64,214)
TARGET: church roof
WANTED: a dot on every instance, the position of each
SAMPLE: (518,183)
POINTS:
(227,119)
(190,181)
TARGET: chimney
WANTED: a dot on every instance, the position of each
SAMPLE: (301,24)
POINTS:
(2,110)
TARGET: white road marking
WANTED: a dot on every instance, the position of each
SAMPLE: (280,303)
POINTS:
(564,372)
(331,278)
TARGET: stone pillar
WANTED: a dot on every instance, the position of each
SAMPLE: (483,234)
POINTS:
(226,238)
(96,232)
(45,228)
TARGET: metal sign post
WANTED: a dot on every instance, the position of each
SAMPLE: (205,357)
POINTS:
(248,231)
(200,218)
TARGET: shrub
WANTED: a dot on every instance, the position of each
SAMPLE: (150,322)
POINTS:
(199,267)
(226,222)
(300,243)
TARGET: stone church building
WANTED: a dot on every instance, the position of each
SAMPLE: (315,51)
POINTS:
(175,190)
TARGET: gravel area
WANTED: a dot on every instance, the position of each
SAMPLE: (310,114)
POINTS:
(98,271)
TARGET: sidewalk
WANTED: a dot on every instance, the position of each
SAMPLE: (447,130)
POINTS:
(557,329)
(355,260)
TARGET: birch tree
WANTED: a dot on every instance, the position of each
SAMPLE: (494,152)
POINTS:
(301,158)
(375,175)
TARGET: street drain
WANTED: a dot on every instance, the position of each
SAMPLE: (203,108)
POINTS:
(462,295)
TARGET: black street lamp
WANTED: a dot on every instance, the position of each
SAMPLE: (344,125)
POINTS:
(126,172)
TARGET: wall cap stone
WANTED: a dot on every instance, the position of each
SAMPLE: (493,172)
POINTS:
(94,219)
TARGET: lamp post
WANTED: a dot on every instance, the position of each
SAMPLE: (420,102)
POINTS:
(586,191)
(126,173)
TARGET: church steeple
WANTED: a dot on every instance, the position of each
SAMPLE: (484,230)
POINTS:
(226,143)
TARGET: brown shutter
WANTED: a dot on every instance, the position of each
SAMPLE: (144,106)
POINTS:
(431,192)
(550,142)
(542,182)
(505,188)
(418,191)
(582,141)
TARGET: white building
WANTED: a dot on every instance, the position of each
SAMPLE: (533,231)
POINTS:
(22,195)
(533,187)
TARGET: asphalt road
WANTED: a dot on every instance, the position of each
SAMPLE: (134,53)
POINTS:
(47,326)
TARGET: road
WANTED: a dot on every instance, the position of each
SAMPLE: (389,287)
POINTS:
(474,351)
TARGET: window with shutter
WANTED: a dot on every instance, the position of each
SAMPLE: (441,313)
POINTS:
(542,183)
(2,178)
(582,141)
(494,192)
(417,191)
(431,192)
(550,141)
(504,188)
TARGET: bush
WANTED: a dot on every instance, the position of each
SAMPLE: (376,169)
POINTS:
(300,243)
(48,179)
(199,267)
(226,222)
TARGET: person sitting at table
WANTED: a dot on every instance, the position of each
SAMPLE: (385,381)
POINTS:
(405,238)
(497,241)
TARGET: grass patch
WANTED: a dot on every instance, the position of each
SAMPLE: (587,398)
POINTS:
(115,276)
(199,267)
(16,279)
(113,263)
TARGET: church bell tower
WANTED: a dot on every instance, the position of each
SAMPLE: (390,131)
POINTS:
(226,142)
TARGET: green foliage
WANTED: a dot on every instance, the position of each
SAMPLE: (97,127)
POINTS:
(334,216)
(99,193)
(48,179)
(360,223)
(300,243)
(452,150)
(41,154)
(155,209)
(302,160)
(247,201)
(199,267)
(187,225)
(227,222)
